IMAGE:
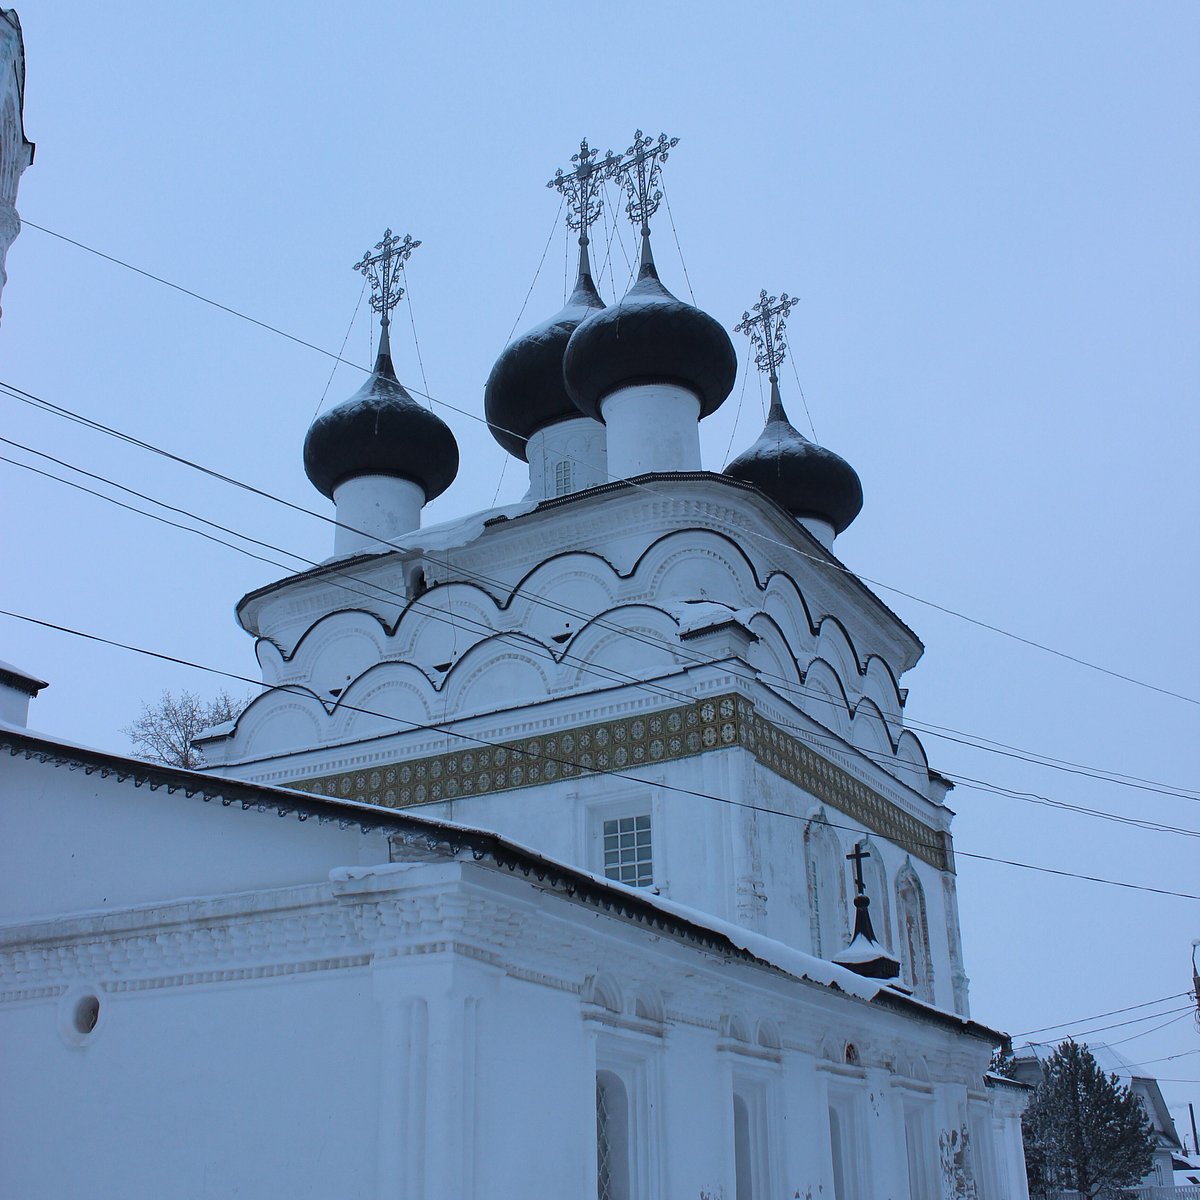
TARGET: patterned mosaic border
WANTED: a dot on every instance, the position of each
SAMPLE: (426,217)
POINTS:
(630,742)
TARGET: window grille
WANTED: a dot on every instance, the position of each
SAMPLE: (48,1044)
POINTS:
(627,851)
(603,1145)
(562,477)
(613,1138)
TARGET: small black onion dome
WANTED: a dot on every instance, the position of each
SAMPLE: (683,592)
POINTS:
(381,430)
(525,391)
(807,479)
(649,336)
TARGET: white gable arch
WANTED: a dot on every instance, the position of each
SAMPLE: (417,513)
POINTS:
(390,698)
(278,721)
(823,698)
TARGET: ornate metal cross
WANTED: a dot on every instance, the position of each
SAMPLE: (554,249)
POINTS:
(857,857)
(580,186)
(385,269)
(766,331)
(640,169)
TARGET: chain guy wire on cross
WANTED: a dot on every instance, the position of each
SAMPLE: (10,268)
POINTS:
(766,330)
(384,270)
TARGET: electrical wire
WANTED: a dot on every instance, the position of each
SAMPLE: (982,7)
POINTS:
(1080,1035)
(786,686)
(757,535)
(603,672)
(1115,1012)
(1187,1012)
(607,673)
(599,771)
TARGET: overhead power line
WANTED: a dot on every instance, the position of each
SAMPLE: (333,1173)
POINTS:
(1114,1012)
(1082,1034)
(945,609)
(609,674)
(787,685)
(443,727)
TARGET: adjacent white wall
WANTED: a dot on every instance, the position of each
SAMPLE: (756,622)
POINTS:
(651,427)
(373,510)
(568,456)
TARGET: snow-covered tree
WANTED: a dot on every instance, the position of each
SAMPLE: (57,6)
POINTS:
(164,731)
(1084,1130)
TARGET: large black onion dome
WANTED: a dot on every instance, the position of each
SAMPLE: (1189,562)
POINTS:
(649,336)
(381,430)
(525,391)
(807,479)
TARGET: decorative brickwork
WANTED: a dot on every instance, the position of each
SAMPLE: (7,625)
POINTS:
(626,744)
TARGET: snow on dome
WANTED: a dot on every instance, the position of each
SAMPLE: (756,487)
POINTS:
(525,390)
(649,336)
(381,430)
(806,479)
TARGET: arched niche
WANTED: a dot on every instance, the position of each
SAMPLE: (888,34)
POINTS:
(912,927)
(825,878)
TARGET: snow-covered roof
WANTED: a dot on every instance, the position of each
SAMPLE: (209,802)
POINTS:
(22,681)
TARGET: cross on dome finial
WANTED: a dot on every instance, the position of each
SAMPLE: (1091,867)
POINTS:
(640,170)
(766,331)
(580,188)
(383,269)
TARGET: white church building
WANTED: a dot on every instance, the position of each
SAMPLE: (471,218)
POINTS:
(576,848)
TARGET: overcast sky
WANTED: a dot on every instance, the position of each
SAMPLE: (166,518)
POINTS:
(989,216)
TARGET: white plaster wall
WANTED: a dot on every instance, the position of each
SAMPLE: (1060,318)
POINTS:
(460,1062)
(73,842)
(578,445)
(373,510)
(651,427)
(262,1089)
(700,845)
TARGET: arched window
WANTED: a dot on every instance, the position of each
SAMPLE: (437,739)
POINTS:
(826,887)
(915,959)
(612,1137)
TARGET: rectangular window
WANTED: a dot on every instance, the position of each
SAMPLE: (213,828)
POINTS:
(627,852)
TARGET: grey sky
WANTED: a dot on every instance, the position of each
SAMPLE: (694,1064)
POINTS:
(989,214)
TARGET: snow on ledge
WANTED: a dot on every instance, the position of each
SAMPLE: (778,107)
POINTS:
(787,959)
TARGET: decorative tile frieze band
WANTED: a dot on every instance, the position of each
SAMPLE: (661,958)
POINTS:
(624,743)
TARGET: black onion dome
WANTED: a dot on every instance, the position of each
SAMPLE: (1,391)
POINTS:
(807,479)
(525,391)
(381,430)
(649,336)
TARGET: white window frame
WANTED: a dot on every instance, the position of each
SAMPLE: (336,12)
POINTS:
(917,1115)
(637,1068)
(755,1088)
(641,803)
(846,1103)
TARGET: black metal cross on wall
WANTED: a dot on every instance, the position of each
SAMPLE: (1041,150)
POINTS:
(857,858)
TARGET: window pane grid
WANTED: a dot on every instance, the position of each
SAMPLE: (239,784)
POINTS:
(603,1149)
(627,851)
